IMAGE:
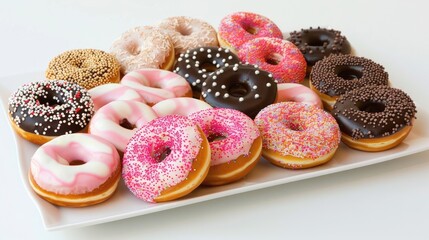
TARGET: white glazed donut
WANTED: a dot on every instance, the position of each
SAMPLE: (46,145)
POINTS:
(106,93)
(188,33)
(117,121)
(75,170)
(143,47)
(155,85)
(183,106)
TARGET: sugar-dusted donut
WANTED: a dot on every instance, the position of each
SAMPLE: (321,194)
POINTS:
(238,28)
(117,121)
(143,47)
(87,67)
(155,85)
(280,57)
(75,170)
(297,135)
(374,118)
(183,106)
(294,92)
(188,33)
(42,110)
(166,159)
(110,92)
(235,144)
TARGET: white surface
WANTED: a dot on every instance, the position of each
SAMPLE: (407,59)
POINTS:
(388,200)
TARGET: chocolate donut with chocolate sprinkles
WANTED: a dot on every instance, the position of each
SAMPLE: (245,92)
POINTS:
(242,87)
(374,118)
(338,74)
(318,43)
(42,110)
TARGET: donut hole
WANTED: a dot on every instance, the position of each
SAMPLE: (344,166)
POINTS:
(184,30)
(371,106)
(76,162)
(215,137)
(249,28)
(317,42)
(133,48)
(274,58)
(160,154)
(238,89)
(126,124)
(209,67)
(349,72)
(49,100)
(295,127)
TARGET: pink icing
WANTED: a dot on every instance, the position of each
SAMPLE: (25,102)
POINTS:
(183,106)
(240,132)
(105,122)
(50,163)
(235,28)
(155,85)
(298,129)
(290,64)
(106,93)
(294,92)
(142,173)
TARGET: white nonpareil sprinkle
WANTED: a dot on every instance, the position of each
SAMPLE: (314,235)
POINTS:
(256,96)
(226,95)
(217,94)
(241,99)
(268,85)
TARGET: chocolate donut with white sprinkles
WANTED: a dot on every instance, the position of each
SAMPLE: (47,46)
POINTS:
(242,87)
(42,110)
(374,118)
(197,64)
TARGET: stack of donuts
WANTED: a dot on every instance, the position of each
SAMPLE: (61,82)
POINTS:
(176,105)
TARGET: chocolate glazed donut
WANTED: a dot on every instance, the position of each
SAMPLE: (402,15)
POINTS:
(317,43)
(197,64)
(241,87)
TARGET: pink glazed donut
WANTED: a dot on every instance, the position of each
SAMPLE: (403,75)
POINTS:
(280,57)
(75,170)
(294,92)
(173,161)
(110,92)
(237,28)
(183,106)
(117,121)
(155,85)
(235,143)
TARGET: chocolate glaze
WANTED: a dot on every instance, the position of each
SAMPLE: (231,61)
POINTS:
(51,108)
(338,74)
(241,87)
(197,64)
(373,111)
(317,43)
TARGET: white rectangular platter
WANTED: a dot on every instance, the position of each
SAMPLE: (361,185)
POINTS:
(124,205)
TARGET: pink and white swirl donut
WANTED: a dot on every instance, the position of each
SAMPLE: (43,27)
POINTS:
(110,92)
(280,57)
(294,92)
(188,33)
(183,106)
(173,161)
(155,85)
(238,28)
(75,170)
(117,121)
(235,143)
(143,47)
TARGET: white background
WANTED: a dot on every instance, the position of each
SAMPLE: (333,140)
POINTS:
(383,201)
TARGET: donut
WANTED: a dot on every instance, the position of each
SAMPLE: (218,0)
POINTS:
(117,121)
(143,47)
(106,93)
(338,74)
(235,144)
(280,57)
(240,87)
(374,118)
(75,170)
(166,159)
(87,67)
(155,85)
(183,106)
(294,92)
(42,110)
(197,64)
(237,28)
(318,43)
(297,135)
